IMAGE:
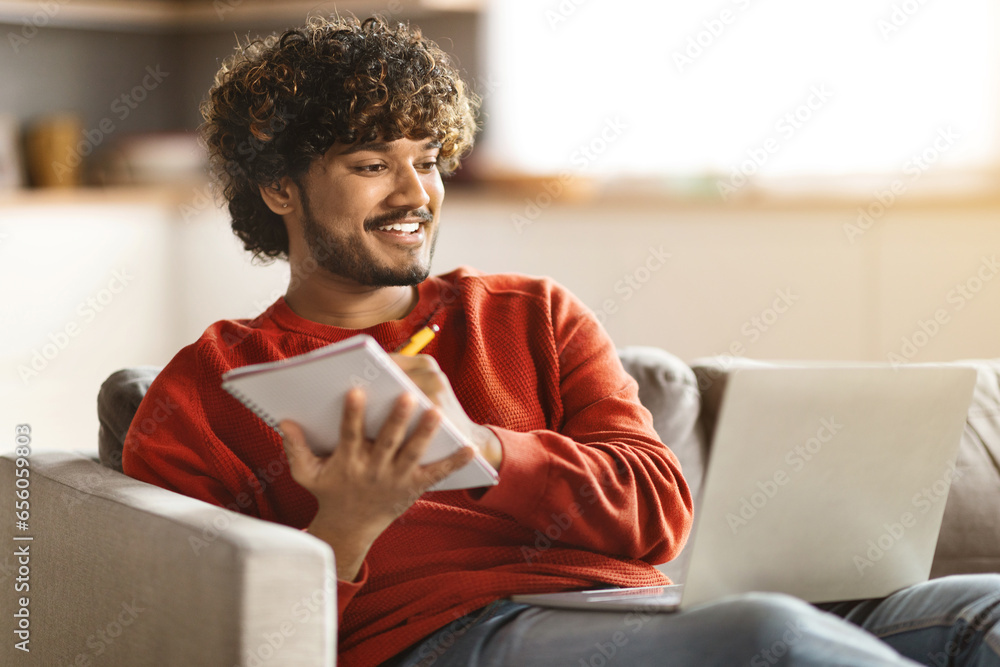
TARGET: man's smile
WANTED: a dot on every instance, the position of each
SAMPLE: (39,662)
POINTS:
(402,233)
(400,227)
(407,230)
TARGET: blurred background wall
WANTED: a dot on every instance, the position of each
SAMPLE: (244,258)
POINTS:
(755,179)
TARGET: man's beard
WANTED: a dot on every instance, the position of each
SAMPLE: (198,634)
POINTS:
(347,256)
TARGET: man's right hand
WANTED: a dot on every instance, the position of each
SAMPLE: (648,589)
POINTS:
(364,485)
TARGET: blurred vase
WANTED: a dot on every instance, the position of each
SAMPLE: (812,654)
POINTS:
(52,150)
(10,154)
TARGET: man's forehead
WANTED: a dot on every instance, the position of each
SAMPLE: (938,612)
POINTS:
(380,146)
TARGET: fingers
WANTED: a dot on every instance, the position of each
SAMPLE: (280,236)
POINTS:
(422,362)
(424,371)
(300,457)
(435,472)
(391,460)
(420,368)
(412,451)
(408,459)
(352,426)
(393,432)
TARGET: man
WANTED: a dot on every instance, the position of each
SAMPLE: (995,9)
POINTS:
(330,142)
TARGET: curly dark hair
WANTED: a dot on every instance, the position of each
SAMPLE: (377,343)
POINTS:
(281,102)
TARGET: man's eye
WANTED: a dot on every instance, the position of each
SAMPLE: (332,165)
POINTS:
(370,168)
(429,165)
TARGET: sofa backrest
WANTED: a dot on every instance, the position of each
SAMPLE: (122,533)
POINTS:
(667,388)
(685,401)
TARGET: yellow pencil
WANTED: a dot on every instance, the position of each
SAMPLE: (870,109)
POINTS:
(419,340)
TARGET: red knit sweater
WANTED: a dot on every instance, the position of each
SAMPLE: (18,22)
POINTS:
(587,494)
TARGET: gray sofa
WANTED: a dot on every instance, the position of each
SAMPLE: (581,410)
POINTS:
(123,573)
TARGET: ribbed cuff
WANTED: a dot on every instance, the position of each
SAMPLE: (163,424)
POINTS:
(524,474)
(346,590)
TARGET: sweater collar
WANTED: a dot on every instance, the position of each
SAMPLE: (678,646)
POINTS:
(390,334)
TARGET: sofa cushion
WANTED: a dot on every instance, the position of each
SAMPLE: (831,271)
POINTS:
(117,402)
(969,541)
(970,533)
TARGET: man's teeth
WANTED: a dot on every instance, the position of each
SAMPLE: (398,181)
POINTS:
(401,227)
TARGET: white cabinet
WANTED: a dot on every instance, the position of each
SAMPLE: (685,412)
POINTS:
(92,285)
(94,282)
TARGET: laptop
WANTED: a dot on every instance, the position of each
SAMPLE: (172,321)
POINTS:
(824,482)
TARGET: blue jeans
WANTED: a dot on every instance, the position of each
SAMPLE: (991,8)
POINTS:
(948,621)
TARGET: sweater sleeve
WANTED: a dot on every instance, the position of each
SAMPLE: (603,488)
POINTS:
(601,479)
(171,443)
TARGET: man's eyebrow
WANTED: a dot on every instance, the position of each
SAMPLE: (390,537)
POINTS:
(383,147)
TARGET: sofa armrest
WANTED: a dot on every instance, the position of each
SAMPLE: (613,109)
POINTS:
(126,573)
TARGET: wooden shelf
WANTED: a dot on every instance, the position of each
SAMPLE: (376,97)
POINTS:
(623,196)
(170,195)
(157,15)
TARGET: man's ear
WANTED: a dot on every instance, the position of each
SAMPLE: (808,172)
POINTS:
(281,197)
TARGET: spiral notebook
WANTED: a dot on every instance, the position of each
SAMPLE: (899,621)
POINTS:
(310,388)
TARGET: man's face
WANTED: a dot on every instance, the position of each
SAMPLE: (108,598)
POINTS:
(369,211)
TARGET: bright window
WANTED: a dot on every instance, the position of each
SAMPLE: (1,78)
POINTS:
(774,87)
